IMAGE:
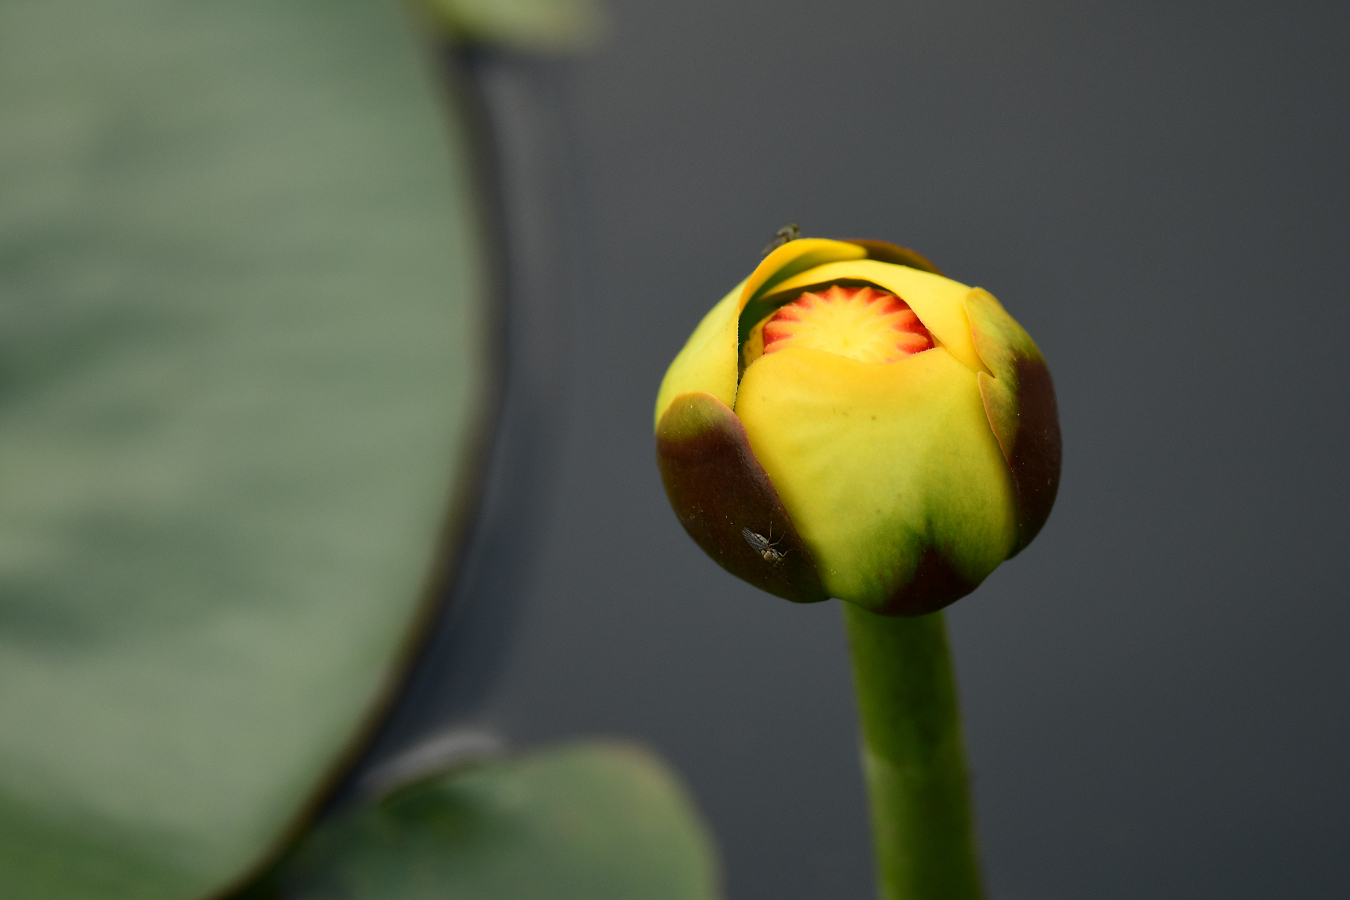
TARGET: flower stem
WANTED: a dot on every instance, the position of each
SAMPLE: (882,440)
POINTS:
(922,824)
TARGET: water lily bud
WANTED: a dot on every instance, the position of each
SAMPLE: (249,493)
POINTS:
(850,423)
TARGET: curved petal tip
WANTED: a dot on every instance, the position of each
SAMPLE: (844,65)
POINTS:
(885,251)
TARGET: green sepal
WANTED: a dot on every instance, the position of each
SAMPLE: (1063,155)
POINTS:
(1020,403)
(726,501)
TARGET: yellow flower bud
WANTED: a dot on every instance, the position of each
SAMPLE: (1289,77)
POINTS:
(850,423)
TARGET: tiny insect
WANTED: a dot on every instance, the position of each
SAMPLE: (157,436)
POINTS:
(766,547)
(782,236)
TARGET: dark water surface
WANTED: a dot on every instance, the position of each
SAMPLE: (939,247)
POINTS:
(1154,691)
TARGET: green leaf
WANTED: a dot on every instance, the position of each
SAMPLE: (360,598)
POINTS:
(240,358)
(551,26)
(589,821)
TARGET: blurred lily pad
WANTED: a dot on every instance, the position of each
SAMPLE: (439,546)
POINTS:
(590,821)
(551,26)
(240,358)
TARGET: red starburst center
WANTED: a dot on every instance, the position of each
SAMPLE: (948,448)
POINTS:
(862,323)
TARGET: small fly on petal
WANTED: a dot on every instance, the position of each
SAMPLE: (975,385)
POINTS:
(782,236)
(765,547)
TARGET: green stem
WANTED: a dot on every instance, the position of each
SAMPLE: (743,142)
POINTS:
(913,757)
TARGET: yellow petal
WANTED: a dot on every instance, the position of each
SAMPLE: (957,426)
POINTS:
(708,362)
(880,465)
(938,302)
(794,257)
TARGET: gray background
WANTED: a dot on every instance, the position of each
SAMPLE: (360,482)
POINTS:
(1155,691)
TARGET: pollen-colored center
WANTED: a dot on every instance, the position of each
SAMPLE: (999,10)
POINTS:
(862,323)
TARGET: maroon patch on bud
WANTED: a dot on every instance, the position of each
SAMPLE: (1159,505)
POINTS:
(1035,455)
(725,500)
(935,584)
(885,251)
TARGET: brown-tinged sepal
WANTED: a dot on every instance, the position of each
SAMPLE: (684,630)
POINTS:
(1020,403)
(935,584)
(726,501)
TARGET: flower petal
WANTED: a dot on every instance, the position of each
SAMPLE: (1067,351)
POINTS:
(885,251)
(727,502)
(794,257)
(709,360)
(938,302)
(1020,402)
(889,471)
